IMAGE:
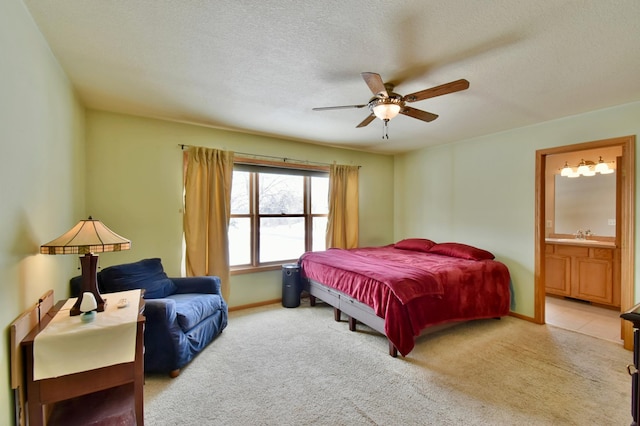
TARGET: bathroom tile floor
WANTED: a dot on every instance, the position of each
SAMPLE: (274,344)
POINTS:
(583,318)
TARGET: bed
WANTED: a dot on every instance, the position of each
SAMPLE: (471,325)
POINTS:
(404,288)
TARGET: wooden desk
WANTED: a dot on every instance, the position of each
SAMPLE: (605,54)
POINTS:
(52,390)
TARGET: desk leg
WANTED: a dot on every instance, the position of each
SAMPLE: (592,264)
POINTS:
(635,401)
(36,414)
(35,409)
(138,383)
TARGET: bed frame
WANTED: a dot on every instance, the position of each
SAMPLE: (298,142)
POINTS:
(355,310)
(358,311)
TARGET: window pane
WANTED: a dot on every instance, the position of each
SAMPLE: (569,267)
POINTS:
(240,193)
(281,238)
(319,195)
(319,242)
(239,241)
(281,194)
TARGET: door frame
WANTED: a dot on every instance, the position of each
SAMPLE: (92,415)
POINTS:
(627,227)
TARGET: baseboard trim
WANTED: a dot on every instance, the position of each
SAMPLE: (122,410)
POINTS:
(523,317)
(254,305)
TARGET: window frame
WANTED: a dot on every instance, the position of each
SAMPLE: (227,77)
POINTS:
(255,216)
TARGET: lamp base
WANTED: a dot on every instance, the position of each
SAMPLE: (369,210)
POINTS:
(89,264)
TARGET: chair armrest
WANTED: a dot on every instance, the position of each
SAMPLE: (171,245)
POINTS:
(164,341)
(160,311)
(202,284)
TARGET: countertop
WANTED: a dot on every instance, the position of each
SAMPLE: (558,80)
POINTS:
(579,242)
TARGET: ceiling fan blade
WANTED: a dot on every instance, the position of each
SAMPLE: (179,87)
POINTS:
(418,113)
(367,120)
(454,86)
(375,83)
(339,107)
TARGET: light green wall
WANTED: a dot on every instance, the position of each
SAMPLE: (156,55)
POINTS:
(134,181)
(41,170)
(481,191)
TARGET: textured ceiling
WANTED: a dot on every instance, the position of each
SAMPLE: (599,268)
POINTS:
(261,66)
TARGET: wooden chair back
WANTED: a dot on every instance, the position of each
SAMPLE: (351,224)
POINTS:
(22,326)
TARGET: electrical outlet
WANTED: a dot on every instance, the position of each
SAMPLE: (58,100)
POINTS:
(611,222)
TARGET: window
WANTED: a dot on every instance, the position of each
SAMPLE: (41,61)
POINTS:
(276,214)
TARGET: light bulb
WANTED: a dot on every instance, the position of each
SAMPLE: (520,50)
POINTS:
(566,170)
(583,169)
(602,167)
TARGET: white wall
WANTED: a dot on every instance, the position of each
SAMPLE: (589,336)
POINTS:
(41,170)
(134,178)
(481,191)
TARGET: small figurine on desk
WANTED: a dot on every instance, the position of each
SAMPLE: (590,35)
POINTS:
(88,307)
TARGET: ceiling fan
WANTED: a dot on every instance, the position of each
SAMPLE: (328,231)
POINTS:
(386,104)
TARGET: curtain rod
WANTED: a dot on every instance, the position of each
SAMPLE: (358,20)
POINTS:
(283,159)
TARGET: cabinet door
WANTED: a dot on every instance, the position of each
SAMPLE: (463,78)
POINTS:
(558,274)
(595,279)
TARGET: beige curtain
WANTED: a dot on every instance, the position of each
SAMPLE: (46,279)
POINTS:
(207,209)
(342,226)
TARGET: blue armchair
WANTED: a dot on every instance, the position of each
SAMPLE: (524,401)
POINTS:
(183,315)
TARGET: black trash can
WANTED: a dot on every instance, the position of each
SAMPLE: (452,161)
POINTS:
(291,286)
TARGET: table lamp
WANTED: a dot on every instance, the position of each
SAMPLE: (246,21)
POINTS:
(87,237)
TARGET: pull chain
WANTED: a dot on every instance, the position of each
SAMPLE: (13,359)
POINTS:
(385,129)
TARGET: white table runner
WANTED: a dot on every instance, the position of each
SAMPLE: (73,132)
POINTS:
(67,345)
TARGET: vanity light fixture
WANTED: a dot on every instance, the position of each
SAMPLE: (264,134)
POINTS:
(586,168)
(603,168)
(567,171)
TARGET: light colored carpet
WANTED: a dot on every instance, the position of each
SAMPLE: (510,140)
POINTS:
(279,366)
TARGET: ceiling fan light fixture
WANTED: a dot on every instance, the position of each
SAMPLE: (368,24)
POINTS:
(386,109)
(386,104)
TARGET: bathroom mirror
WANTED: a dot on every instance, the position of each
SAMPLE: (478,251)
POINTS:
(586,203)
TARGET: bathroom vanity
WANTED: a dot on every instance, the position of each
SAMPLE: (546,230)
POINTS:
(583,269)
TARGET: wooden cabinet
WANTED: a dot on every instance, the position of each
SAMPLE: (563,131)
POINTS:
(558,275)
(582,272)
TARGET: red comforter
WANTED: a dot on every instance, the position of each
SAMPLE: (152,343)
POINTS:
(412,290)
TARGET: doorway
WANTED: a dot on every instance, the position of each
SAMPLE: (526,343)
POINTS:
(626,216)
(584,318)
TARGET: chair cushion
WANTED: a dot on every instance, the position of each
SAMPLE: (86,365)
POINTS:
(192,308)
(146,274)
